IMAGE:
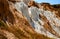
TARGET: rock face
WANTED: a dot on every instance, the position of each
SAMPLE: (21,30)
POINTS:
(14,22)
(41,18)
(26,19)
(47,18)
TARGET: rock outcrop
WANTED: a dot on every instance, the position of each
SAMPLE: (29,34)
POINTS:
(14,24)
(48,17)
(26,19)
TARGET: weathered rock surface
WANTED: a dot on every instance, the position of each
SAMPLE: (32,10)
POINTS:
(42,18)
(14,23)
(26,19)
(48,18)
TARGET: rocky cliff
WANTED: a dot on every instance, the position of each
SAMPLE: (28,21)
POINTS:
(26,19)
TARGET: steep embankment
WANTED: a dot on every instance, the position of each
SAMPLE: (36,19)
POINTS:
(13,24)
(46,18)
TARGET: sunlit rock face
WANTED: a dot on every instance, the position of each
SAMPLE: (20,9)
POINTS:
(27,18)
(22,7)
(43,21)
(39,21)
(16,21)
(53,20)
(34,14)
